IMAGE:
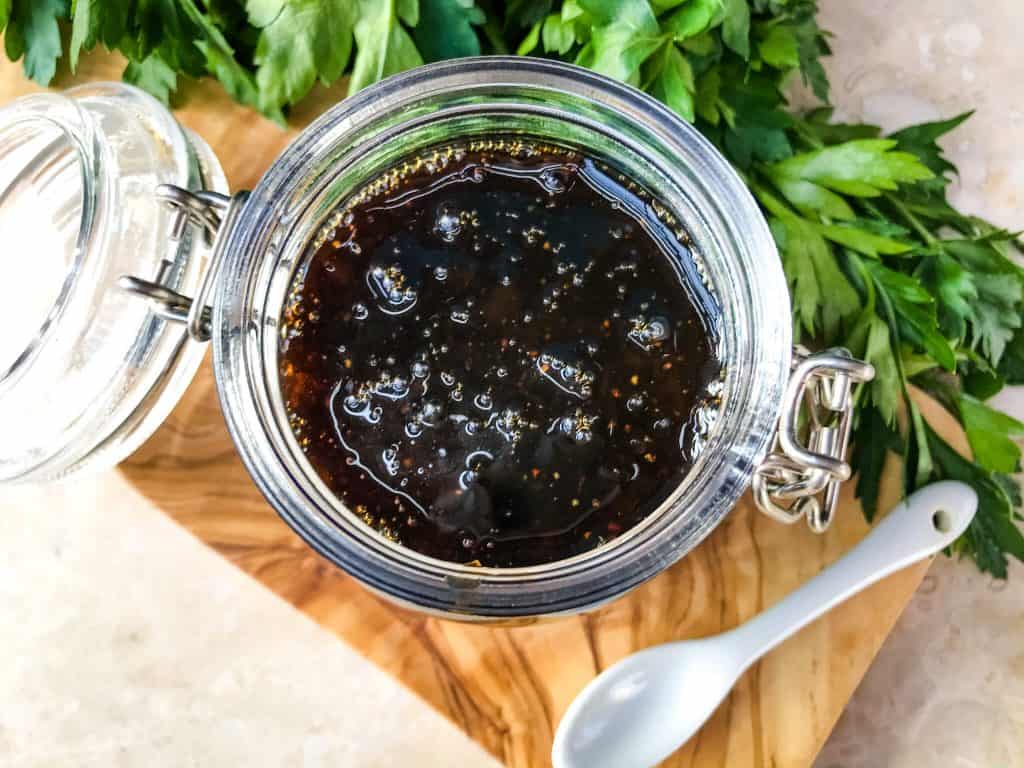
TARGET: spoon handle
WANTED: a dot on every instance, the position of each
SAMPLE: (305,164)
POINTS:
(926,522)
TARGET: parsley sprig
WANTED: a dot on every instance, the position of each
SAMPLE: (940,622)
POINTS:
(876,257)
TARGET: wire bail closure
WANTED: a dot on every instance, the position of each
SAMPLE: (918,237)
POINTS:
(213,214)
(801,476)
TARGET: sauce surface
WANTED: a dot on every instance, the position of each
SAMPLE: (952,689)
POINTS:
(501,353)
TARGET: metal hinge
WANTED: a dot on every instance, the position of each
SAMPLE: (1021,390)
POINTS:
(801,476)
(213,215)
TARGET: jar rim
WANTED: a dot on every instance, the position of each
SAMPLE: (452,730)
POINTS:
(245,328)
(62,116)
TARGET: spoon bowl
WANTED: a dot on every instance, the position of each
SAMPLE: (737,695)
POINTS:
(619,718)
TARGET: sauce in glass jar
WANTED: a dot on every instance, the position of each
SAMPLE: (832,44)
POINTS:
(501,352)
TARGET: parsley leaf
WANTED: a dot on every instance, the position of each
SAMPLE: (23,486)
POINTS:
(756,128)
(991,434)
(558,35)
(97,21)
(691,19)
(859,168)
(172,26)
(626,34)
(674,83)
(812,46)
(779,47)
(873,439)
(954,291)
(301,41)
(736,26)
(996,314)
(154,75)
(383,45)
(992,533)
(864,240)
(822,295)
(531,40)
(920,140)
(221,62)
(1011,364)
(872,342)
(915,310)
(818,126)
(708,93)
(445,29)
(32,32)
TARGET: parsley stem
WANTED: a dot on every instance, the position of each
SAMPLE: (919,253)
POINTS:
(912,220)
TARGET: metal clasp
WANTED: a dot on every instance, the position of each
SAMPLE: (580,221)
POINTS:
(213,214)
(800,478)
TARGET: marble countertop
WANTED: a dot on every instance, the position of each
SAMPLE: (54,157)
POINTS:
(128,643)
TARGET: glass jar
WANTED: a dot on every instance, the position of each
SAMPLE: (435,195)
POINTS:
(260,237)
(87,372)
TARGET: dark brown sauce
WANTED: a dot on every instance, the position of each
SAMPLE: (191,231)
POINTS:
(501,353)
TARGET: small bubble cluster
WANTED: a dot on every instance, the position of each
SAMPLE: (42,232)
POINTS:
(388,285)
(490,356)
(447,223)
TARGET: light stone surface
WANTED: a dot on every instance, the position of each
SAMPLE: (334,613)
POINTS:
(126,642)
(947,688)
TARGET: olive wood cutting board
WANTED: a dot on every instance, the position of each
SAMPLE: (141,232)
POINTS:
(507,687)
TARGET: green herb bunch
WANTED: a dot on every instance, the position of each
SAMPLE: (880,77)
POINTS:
(877,259)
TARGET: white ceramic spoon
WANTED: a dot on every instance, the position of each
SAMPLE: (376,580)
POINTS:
(637,712)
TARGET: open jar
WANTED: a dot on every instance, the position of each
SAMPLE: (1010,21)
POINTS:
(783,423)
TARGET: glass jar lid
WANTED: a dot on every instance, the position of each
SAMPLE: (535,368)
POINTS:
(88,371)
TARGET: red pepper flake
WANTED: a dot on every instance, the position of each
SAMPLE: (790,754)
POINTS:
(535,472)
(614,527)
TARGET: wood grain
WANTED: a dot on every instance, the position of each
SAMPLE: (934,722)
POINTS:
(507,687)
